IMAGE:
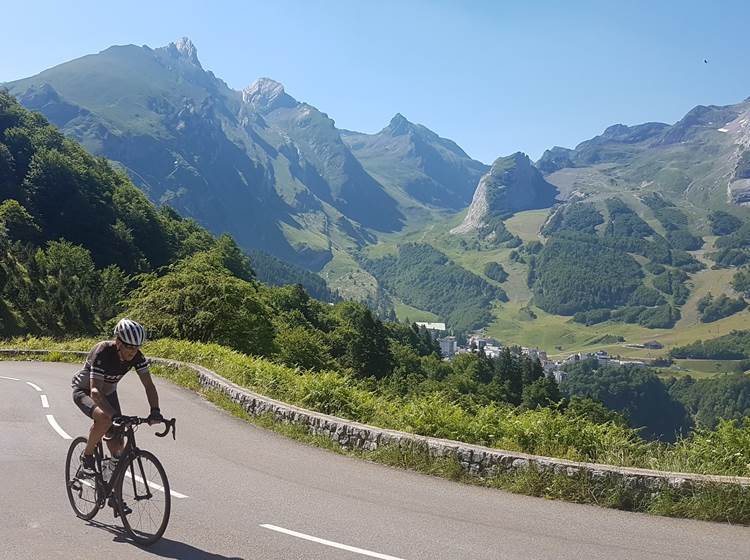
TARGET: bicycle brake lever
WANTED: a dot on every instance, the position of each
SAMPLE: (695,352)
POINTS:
(169,424)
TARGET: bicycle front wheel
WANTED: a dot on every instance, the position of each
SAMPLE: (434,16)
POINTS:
(82,491)
(143,488)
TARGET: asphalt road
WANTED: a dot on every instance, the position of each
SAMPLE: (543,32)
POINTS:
(253,494)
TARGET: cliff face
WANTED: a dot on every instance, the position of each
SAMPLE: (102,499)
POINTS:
(512,184)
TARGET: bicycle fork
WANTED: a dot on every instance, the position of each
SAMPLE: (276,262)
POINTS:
(142,478)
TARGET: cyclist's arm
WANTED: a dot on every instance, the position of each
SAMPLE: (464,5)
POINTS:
(148,384)
(97,395)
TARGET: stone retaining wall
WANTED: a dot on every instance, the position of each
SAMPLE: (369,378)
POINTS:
(475,460)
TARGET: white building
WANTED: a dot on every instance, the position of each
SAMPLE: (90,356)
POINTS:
(492,351)
(448,346)
(435,329)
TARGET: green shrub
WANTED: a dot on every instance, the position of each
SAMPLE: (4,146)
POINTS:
(336,394)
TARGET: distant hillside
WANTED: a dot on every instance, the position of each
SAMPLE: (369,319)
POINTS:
(275,272)
(701,160)
(273,172)
(427,279)
(413,159)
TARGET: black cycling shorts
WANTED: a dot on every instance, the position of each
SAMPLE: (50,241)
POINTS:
(87,405)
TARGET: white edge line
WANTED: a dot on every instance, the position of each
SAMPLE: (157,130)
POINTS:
(156,486)
(330,543)
(37,387)
(9,378)
(45,402)
(56,427)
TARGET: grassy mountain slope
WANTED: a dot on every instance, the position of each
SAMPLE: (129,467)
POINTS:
(258,164)
(418,163)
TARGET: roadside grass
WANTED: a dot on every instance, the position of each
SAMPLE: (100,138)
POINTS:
(541,432)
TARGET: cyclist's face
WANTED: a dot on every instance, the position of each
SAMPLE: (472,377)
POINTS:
(127,351)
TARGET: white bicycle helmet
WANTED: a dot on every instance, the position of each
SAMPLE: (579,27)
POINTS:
(130,332)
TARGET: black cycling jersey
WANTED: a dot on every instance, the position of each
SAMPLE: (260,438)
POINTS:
(103,362)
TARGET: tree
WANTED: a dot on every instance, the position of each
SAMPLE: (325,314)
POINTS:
(18,223)
(540,393)
(298,346)
(201,300)
(360,341)
(741,282)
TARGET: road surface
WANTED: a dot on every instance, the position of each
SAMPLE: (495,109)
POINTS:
(252,494)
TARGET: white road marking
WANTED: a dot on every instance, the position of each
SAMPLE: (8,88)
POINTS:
(45,403)
(361,551)
(56,427)
(37,387)
(9,378)
(156,486)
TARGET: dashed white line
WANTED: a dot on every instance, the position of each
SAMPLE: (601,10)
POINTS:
(361,551)
(156,486)
(56,427)
(45,402)
(37,387)
(9,378)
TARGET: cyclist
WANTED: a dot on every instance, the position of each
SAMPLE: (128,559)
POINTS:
(95,387)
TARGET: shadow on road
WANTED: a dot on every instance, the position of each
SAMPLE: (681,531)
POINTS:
(166,548)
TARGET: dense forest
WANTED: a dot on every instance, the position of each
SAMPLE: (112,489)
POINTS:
(714,399)
(636,392)
(661,409)
(732,346)
(594,276)
(712,308)
(581,217)
(270,270)
(422,276)
(577,273)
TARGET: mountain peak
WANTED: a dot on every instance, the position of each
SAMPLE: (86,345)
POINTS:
(399,125)
(504,163)
(266,94)
(184,48)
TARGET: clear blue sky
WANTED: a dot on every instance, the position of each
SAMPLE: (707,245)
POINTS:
(496,77)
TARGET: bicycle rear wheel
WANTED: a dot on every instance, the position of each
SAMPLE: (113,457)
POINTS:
(82,492)
(144,488)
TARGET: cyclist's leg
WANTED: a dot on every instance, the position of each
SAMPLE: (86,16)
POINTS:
(114,441)
(101,424)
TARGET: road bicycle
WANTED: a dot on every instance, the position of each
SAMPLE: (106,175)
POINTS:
(137,487)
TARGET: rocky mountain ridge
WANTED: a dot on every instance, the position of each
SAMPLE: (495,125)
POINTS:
(272,171)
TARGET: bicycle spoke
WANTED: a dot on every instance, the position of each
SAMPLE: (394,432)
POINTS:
(82,492)
(150,508)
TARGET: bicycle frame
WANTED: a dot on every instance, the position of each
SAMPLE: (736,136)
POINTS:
(130,451)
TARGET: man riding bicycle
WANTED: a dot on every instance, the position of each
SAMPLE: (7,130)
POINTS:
(95,387)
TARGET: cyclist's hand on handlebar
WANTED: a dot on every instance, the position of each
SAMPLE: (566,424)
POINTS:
(155,417)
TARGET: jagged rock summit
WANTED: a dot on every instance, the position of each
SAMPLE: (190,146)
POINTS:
(185,49)
(398,126)
(265,95)
(512,184)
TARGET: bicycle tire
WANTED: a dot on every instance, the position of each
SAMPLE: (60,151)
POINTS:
(143,468)
(84,486)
